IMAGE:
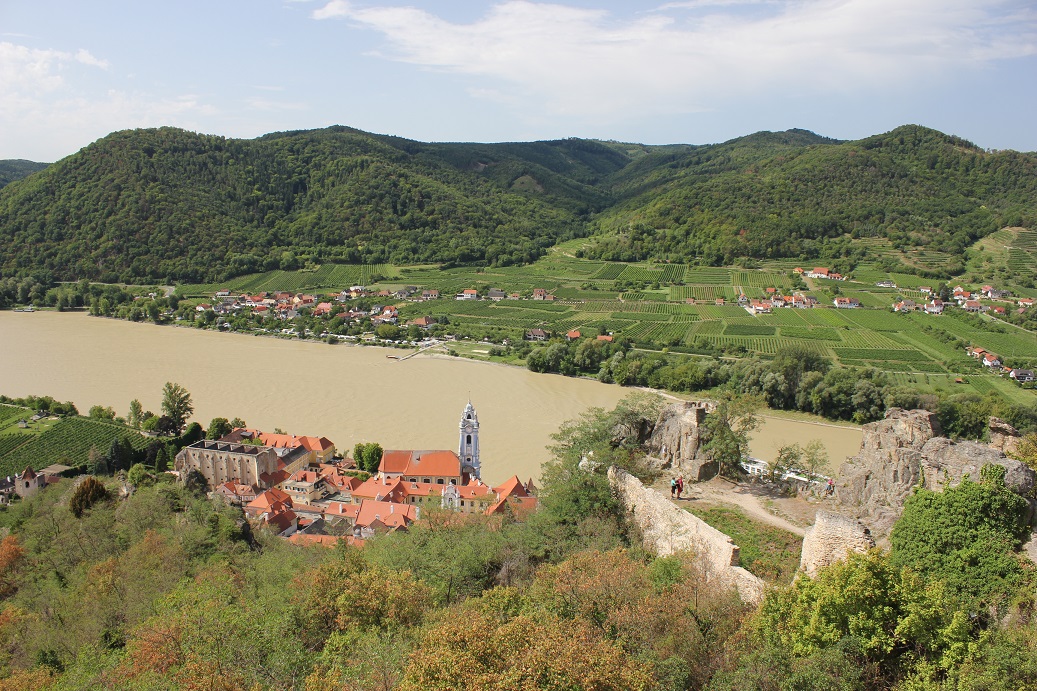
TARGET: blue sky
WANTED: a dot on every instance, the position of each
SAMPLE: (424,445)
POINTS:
(692,71)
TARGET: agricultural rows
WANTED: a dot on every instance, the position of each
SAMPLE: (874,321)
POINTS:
(69,442)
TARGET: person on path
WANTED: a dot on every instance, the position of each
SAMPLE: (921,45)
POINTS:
(673,487)
(831,486)
(680,485)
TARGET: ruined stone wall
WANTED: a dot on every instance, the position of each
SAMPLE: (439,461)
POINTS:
(832,537)
(667,529)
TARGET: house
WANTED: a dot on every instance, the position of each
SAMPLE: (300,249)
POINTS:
(973,306)
(203,307)
(305,450)
(496,294)
(430,295)
(29,482)
(818,272)
(759,307)
(999,310)
(847,303)
(536,335)
(468,294)
(798,270)
(886,284)
(1023,375)
(905,306)
(607,338)
(976,352)
(572,335)
(375,517)
(306,487)
(934,307)
(1026,302)
(235,493)
(925,290)
(719,302)
(991,360)
(742,299)
(322,309)
(539,294)
(423,322)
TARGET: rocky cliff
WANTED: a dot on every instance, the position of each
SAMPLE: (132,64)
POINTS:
(906,449)
(676,438)
(831,538)
(667,529)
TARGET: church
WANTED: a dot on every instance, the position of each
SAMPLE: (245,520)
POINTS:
(440,467)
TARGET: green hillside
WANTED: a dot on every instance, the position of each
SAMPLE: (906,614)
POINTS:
(798,195)
(167,205)
(16,169)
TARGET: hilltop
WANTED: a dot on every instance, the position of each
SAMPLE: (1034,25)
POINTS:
(16,169)
(175,206)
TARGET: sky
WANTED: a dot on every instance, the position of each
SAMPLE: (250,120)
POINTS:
(684,71)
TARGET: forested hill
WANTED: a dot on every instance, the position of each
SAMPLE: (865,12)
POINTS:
(791,194)
(169,205)
(16,169)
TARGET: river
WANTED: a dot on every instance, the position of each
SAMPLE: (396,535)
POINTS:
(345,393)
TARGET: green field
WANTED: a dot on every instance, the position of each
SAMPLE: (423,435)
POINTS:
(650,304)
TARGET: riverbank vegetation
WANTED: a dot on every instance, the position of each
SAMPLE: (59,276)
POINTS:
(162,587)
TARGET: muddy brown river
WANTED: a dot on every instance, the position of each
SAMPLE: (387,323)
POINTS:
(346,393)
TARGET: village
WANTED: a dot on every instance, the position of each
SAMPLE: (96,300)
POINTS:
(301,489)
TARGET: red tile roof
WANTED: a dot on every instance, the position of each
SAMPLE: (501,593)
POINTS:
(435,463)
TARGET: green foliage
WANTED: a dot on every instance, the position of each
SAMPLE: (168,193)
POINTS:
(367,456)
(768,552)
(176,404)
(889,616)
(89,492)
(218,427)
(965,536)
(68,441)
(728,428)
(16,169)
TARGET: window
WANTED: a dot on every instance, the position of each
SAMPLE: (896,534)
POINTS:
(439,481)
(468,439)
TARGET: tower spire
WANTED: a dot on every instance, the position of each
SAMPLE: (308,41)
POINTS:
(468,442)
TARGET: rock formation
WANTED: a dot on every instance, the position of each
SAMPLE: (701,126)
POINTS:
(904,450)
(830,539)
(667,529)
(677,437)
(1004,437)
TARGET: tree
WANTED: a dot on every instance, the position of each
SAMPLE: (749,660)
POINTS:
(815,457)
(193,433)
(89,492)
(237,423)
(116,457)
(368,457)
(97,463)
(176,404)
(965,536)
(218,427)
(729,427)
(139,476)
(136,412)
(101,413)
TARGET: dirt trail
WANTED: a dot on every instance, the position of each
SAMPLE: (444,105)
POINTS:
(790,514)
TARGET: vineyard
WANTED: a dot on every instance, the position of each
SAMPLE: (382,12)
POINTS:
(656,305)
(68,442)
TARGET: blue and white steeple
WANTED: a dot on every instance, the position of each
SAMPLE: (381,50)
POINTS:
(468,446)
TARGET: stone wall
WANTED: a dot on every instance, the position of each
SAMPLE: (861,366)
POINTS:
(677,437)
(832,537)
(905,450)
(667,529)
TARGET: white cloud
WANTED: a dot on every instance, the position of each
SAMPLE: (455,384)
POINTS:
(52,103)
(84,57)
(590,62)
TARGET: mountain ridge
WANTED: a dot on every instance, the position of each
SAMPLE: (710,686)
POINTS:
(165,204)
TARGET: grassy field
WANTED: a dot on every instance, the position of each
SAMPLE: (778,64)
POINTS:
(768,552)
(671,305)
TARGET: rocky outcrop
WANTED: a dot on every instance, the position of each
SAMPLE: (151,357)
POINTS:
(830,539)
(905,450)
(1004,437)
(677,437)
(667,529)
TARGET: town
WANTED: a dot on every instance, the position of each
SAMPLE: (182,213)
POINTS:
(302,489)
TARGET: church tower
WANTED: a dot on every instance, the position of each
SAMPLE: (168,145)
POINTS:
(468,447)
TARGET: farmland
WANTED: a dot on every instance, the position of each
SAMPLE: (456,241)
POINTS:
(67,441)
(687,308)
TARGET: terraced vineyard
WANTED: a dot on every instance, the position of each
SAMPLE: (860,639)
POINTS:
(69,441)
